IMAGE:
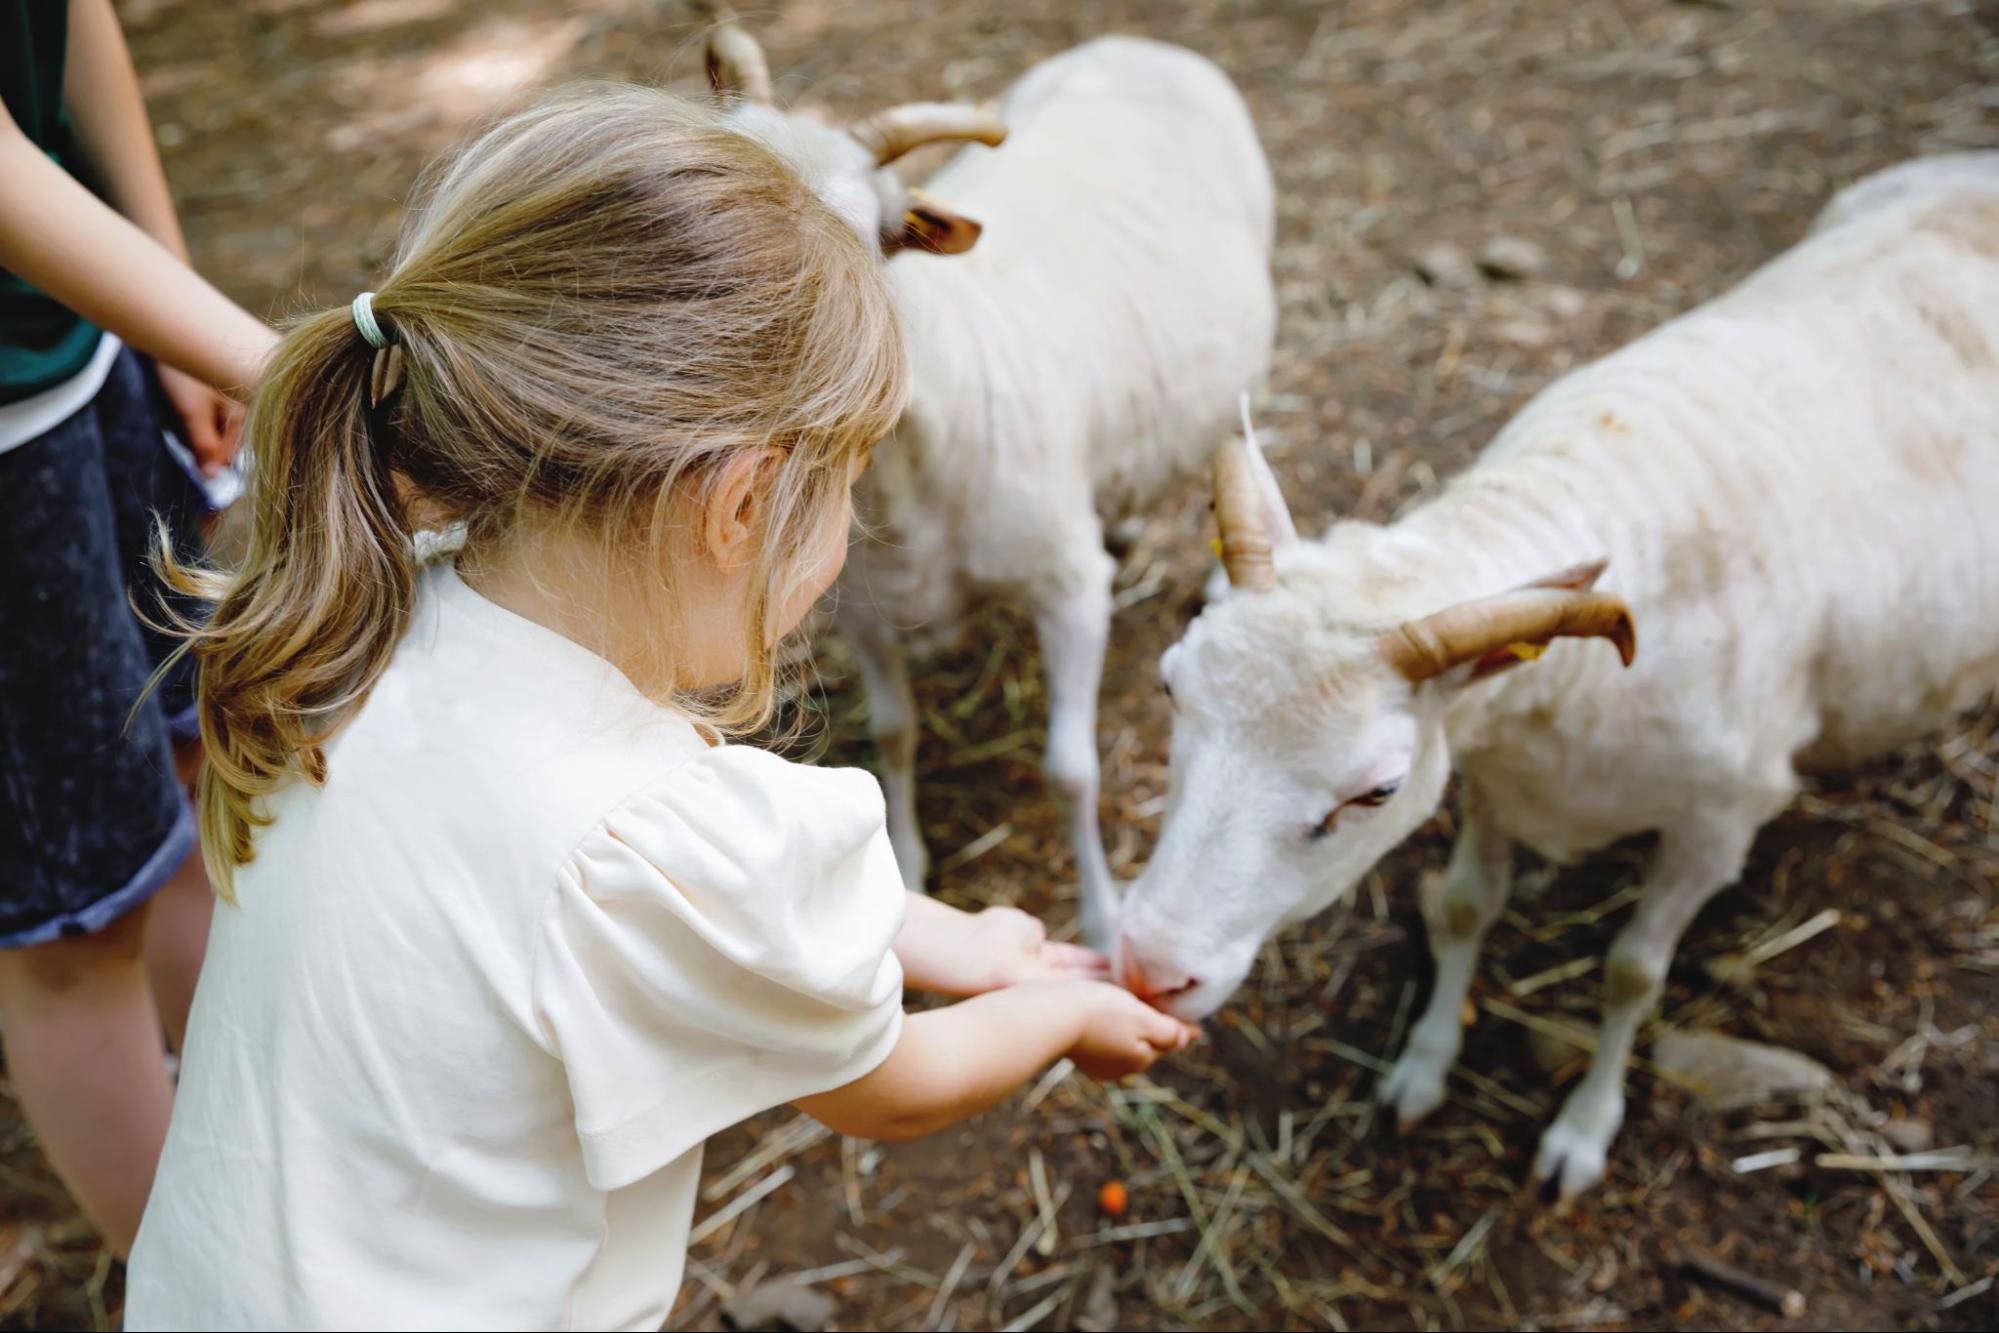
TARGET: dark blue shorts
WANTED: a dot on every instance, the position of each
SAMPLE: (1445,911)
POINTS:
(92,818)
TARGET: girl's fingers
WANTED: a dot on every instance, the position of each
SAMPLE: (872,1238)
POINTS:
(1164,1031)
(1076,960)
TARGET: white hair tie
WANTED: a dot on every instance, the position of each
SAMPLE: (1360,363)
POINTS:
(363,311)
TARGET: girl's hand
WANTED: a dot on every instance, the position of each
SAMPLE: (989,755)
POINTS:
(1018,951)
(213,421)
(1122,1034)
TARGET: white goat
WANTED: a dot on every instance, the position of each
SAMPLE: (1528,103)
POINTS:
(1068,371)
(1793,486)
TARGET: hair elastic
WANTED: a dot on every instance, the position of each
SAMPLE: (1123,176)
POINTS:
(363,311)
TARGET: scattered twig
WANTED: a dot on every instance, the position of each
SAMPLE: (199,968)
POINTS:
(742,1203)
(1786,1301)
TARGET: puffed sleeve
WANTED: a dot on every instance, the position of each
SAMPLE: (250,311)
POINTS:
(718,945)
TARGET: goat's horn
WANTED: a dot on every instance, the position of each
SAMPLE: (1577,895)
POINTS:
(1245,541)
(735,62)
(1525,619)
(891,133)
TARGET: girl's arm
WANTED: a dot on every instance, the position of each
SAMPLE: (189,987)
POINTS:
(963,953)
(209,338)
(61,238)
(953,1063)
(101,94)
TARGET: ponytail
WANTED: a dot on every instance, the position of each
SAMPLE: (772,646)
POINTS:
(303,627)
(598,301)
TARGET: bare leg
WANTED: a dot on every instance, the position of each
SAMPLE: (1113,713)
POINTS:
(892,721)
(1074,625)
(176,940)
(1476,885)
(83,1046)
(1693,864)
(177,926)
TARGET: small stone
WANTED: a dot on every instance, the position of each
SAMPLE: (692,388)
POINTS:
(1564,303)
(1909,1135)
(1512,258)
(1523,332)
(779,1304)
(1443,265)
(1723,1072)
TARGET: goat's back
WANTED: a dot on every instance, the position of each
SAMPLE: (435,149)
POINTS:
(1795,483)
(1090,349)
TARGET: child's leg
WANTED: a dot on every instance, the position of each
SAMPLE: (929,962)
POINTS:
(177,925)
(83,1051)
(93,821)
(176,938)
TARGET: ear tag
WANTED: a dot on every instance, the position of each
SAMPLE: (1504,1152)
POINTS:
(1512,654)
(1215,545)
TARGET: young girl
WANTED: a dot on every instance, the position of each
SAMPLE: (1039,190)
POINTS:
(512,933)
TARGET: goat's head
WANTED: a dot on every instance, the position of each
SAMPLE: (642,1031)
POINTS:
(849,167)
(1308,734)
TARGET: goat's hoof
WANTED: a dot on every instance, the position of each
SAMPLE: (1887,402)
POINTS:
(1412,1089)
(1571,1161)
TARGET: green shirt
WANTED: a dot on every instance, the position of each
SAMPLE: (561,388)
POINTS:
(42,342)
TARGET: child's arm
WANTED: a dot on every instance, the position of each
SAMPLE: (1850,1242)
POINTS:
(101,94)
(963,953)
(61,238)
(950,1064)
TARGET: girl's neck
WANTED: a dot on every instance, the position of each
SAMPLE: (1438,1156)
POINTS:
(538,591)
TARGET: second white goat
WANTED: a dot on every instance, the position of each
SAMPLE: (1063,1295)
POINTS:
(1085,356)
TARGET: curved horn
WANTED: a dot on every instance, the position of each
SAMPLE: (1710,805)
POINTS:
(1523,621)
(891,133)
(1245,541)
(735,62)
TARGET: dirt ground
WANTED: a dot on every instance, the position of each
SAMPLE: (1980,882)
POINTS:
(1656,152)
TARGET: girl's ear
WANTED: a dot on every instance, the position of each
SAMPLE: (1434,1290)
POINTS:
(732,518)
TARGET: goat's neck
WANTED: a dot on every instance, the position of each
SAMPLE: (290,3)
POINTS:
(1491,531)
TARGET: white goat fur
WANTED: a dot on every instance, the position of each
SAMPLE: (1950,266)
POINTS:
(1086,355)
(1794,486)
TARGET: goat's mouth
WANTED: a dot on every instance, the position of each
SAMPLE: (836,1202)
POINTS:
(1194,1001)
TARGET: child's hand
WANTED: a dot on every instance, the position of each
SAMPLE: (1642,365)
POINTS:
(1122,1034)
(213,421)
(1018,951)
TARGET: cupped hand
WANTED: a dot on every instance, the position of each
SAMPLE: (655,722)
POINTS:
(1123,1035)
(1018,951)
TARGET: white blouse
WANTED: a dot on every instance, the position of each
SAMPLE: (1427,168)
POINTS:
(453,1057)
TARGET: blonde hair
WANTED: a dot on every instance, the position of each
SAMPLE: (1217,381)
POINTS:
(601,299)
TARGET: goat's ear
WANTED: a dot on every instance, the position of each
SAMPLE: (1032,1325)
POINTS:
(929,226)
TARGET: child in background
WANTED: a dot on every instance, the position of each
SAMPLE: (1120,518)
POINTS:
(513,931)
(103,907)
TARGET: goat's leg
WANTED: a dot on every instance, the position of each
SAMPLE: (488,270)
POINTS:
(1476,885)
(1694,863)
(892,721)
(1074,622)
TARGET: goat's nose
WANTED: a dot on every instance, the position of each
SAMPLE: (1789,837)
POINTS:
(1151,980)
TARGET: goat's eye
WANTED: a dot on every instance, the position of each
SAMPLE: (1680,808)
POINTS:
(1379,796)
(1168,685)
